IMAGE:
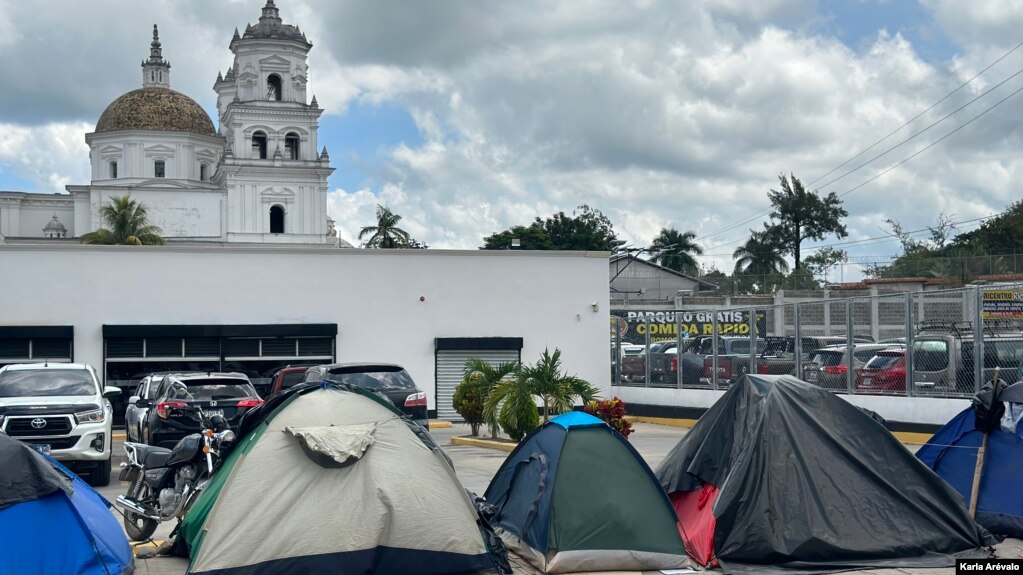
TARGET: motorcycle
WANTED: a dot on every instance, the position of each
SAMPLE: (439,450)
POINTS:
(165,482)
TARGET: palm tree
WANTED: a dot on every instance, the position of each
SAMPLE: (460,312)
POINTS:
(511,401)
(128,224)
(759,256)
(486,376)
(676,250)
(385,234)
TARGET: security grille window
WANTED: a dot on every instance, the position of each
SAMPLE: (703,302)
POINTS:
(315,346)
(33,350)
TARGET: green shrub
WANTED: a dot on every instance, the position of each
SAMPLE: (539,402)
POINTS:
(468,401)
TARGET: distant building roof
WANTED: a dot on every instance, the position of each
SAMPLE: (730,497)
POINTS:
(704,285)
(865,284)
(1012,277)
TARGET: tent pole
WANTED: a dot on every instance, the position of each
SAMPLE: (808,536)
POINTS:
(979,468)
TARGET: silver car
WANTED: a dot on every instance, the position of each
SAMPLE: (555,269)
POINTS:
(135,415)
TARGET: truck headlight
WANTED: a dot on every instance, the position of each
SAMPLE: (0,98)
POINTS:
(90,416)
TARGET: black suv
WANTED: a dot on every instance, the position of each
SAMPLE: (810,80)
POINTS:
(170,417)
(385,379)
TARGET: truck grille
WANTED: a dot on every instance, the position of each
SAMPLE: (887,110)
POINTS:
(23,427)
(56,442)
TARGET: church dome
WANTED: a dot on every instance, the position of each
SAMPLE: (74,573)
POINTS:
(159,109)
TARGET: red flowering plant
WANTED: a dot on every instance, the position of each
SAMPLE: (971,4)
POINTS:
(612,411)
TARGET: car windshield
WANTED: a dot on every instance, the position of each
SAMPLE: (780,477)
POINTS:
(883,360)
(46,382)
(374,380)
(930,355)
(210,390)
(827,358)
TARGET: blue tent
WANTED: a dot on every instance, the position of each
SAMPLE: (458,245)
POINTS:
(576,496)
(53,522)
(952,454)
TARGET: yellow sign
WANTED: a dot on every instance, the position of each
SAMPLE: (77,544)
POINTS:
(1003,304)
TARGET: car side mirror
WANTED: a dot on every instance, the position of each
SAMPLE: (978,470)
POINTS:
(142,402)
(111,392)
(133,399)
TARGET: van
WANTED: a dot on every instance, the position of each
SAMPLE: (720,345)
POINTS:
(943,357)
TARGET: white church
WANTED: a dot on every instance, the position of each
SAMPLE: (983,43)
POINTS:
(258,179)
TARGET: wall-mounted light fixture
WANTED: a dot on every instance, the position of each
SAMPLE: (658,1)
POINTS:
(595,306)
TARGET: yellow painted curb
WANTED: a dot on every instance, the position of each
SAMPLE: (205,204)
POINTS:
(155,543)
(661,420)
(912,437)
(119,436)
(485,443)
(440,424)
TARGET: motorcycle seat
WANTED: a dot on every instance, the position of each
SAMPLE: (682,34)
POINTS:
(152,457)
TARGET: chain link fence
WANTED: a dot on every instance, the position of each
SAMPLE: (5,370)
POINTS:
(922,344)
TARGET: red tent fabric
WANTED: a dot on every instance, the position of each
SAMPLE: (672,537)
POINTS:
(696,522)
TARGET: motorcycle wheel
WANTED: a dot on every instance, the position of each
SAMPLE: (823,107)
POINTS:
(139,528)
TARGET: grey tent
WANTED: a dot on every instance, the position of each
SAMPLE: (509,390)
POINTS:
(327,480)
(780,474)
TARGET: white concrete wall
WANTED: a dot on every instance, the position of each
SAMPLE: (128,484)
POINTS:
(373,296)
(929,410)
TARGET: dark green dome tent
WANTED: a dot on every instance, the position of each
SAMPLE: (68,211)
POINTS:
(576,496)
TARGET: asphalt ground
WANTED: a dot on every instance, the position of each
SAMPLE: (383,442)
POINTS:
(475,466)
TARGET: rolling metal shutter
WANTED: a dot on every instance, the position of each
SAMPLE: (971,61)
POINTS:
(451,365)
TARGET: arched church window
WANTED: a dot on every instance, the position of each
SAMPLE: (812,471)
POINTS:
(203,174)
(159,169)
(273,87)
(113,170)
(259,145)
(291,146)
(276,220)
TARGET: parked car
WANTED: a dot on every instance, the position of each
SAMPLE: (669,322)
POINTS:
(287,376)
(60,409)
(885,372)
(389,380)
(943,356)
(829,365)
(135,415)
(779,356)
(172,416)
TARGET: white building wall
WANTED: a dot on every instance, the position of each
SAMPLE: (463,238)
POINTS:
(389,304)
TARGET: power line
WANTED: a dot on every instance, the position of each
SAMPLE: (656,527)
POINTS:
(916,117)
(764,212)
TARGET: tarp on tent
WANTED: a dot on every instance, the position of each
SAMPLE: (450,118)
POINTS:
(333,480)
(576,496)
(40,498)
(952,454)
(780,474)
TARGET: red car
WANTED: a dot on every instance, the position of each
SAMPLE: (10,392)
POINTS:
(885,372)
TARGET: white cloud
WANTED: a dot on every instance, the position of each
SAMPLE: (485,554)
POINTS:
(51,156)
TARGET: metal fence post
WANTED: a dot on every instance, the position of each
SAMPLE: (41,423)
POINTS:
(617,375)
(678,349)
(646,353)
(978,340)
(713,351)
(910,392)
(797,346)
(850,379)
(752,340)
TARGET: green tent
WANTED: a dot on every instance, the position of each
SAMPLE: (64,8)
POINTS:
(576,496)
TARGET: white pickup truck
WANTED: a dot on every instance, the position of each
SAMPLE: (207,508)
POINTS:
(60,409)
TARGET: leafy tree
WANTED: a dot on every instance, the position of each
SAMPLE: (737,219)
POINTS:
(479,377)
(1002,234)
(128,224)
(511,402)
(726,283)
(676,250)
(530,237)
(760,257)
(823,260)
(801,215)
(386,234)
(587,229)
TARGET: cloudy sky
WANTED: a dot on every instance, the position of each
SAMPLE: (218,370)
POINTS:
(467,117)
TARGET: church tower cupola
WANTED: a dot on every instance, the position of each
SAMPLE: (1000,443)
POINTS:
(155,70)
